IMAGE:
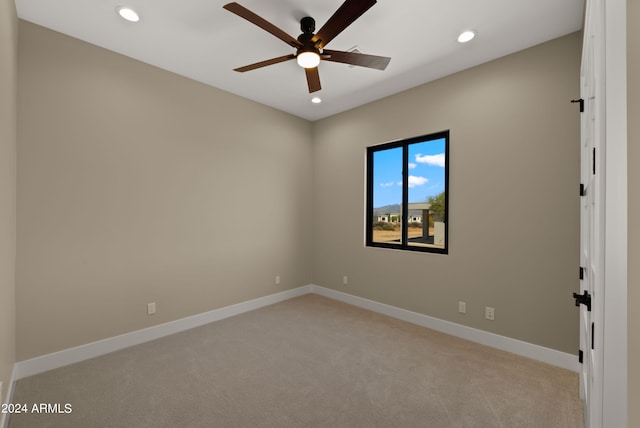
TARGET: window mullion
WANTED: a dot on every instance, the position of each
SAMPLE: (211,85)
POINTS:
(405,196)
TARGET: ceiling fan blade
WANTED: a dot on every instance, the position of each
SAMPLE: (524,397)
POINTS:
(245,13)
(264,63)
(353,58)
(313,79)
(341,19)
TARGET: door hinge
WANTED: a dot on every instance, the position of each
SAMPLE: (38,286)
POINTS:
(594,161)
(580,356)
(581,273)
(583,190)
(592,334)
(583,299)
(581,101)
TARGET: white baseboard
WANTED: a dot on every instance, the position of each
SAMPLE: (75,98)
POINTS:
(525,349)
(55,360)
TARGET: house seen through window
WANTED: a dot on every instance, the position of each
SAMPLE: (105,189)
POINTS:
(408,194)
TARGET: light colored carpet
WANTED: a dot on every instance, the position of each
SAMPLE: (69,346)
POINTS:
(306,362)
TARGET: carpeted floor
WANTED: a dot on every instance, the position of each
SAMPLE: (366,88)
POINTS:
(306,362)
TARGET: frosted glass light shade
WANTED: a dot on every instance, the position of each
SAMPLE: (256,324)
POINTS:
(308,59)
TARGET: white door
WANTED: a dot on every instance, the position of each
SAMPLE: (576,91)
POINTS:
(592,214)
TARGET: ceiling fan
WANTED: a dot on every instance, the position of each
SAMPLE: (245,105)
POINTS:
(309,46)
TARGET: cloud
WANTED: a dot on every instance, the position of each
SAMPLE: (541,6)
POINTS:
(417,181)
(412,165)
(389,184)
(436,160)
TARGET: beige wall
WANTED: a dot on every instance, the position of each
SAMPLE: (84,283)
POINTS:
(8,88)
(514,204)
(136,185)
(633,113)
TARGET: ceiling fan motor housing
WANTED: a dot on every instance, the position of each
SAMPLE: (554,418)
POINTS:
(308,26)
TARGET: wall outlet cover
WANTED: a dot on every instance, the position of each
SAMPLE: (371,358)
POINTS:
(489,313)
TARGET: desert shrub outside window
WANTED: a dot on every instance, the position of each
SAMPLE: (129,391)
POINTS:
(408,194)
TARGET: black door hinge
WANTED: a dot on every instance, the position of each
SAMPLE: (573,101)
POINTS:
(581,101)
(583,299)
(581,273)
(593,327)
(580,356)
(583,190)
(594,161)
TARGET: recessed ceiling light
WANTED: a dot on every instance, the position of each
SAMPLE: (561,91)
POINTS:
(128,13)
(316,100)
(466,36)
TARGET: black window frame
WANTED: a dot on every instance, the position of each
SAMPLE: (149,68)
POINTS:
(404,144)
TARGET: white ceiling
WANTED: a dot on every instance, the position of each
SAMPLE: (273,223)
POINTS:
(200,40)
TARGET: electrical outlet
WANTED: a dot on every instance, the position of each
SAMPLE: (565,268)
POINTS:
(151,308)
(462,307)
(489,313)
(345,280)
(277,280)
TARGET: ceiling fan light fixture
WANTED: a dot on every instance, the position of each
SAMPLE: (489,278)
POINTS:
(466,36)
(310,47)
(128,13)
(308,59)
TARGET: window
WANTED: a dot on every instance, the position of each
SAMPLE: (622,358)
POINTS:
(408,194)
